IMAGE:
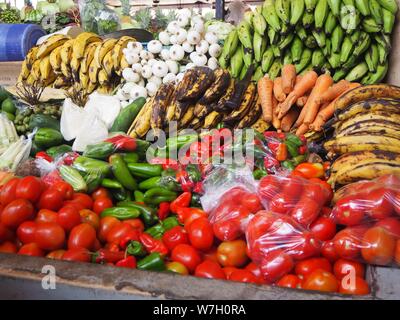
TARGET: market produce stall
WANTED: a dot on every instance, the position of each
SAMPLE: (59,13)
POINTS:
(264,153)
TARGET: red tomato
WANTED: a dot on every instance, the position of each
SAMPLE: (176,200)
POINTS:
(65,189)
(293,188)
(8,247)
(82,236)
(306,211)
(381,206)
(7,192)
(275,265)
(209,269)
(83,199)
(321,280)
(315,192)
(304,246)
(391,225)
(106,224)
(5,233)
(378,246)
(56,254)
(252,202)
(45,215)
(118,232)
(396,202)
(88,216)
(269,187)
(228,271)
(347,242)
(77,254)
(49,236)
(310,170)
(194,214)
(201,234)
(242,275)
(101,203)
(254,269)
(349,211)
(79,206)
(357,287)
(306,267)
(232,253)
(326,186)
(290,281)
(175,236)
(29,188)
(135,223)
(51,199)
(323,228)
(68,217)
(260,224)
(328,251)
(187,255)
(282,203)
(31,249)
(210,255)
(343,267)
(17,212)
(177,267)
(26,231)
(100,193)
(227,230)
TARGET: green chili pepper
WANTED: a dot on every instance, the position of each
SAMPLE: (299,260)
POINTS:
(156,231)
(149,215)
(139,196)
(93,180)
(141,148)
(111,184)
(121,213)
(287,164)
(292,148)
(157,195)
(259,173)
(89,165)
(169,223)
(130,157)
(73,177)
(145,170)
(193,172)
(299,159)
(153,262)
(120,194)
(100,150)
(180,141)
(294,140)
(121,172)
(150,183)
(135,248)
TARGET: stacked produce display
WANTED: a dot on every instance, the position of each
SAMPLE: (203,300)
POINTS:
(293,94)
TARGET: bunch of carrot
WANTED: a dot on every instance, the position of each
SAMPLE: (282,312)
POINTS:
(300,102)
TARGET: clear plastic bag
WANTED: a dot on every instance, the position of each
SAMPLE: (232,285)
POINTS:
(16,153)
(89,9)
(367,201)
(293,196)
(107,21)
(275,242)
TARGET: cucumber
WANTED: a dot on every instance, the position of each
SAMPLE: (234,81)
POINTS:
(56,151)
(127,115)
(44,121)
(47,137)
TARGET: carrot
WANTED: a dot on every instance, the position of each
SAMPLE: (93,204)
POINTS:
(276,123)
(298,79)
(305,84)
(312,106)
(302,130)
(288,78)
(265,89)
(300,118)
(278,90)
(327,111)
(289,119)
(301,102)
(333,92)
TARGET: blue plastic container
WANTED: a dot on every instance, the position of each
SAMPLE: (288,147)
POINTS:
(17,39)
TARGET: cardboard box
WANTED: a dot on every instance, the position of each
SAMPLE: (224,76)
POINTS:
(9,72)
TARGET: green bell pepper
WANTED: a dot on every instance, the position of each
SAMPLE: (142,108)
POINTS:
(193,172)
(56,151)
(149,215)
(292,148)
(158,230)
(153,262)
(121,213)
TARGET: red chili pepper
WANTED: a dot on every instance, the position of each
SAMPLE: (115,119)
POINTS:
(198,187)
(132,235)
(281,153)
(303,139)
(282,135)
(122,142)
(52,178)
(302,149)
(270,134)
(153,245)
(163,210)
(273,145)
(166,163)
(113,247)
(43,155)
(183,213)
(104,256)
(128,262)
(183,201)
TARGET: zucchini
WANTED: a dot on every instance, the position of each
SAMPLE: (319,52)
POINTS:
(127,115)
(44,121)
(47,137)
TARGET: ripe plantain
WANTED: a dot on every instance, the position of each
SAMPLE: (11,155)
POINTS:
(212,119)
(61,82)
(160,104)
(50,44)
(36,70)
(187,117)
(102,50)
(195,83)
(102,77)
(55,60)
(123,64)
(45,68)
(117,53)
(107,64)
(220,104)
(24,74)
(261,125)
(93,72)
(170,112)
(31,57)
(89,54)
(359,119)
(181,108)
(141,125)
(218,88)
(252,117)
(245,105)
(81,41)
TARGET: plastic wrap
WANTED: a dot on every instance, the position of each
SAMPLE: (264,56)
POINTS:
(97,18)
(16,153)
(293,196)
(275,242)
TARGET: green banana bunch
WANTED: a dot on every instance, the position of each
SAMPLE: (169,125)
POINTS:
(347,49)
(339,75)
(243,72)
(301,32)
(304,61)
(320,37)
(349,3)
(334,60)
(296,11)
(275,69)
(383,53)
(372,58)
(377,76)
(335,7)
(269,13)
(287,58)
(237,62)
(388,21)
(370,25)
(363,7)
(355,36)
(229,49)
(390,5)
(363,44)
(285,41)
(330,24)
(310,42)
(349,18)
(247,56)
(245,35)
(259,23)
(350,63)
(376,11)
(310,5)
(357,72)
(337,38)
(296,49)
(259,46)
(282,8)
(318,59)
(267,60)
(308,20)
(258,74)
(273,36)
(321,12)
(327,50)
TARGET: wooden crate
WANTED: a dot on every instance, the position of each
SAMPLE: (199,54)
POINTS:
(9,72)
